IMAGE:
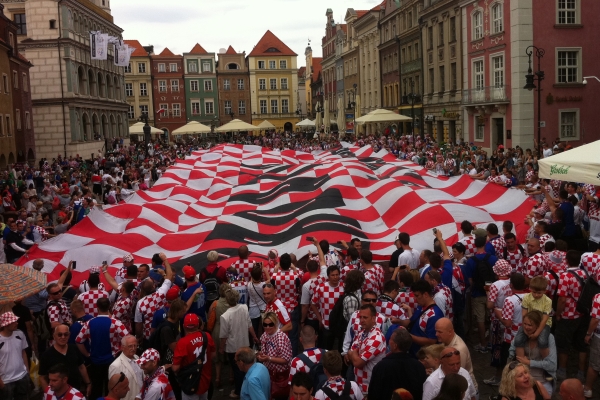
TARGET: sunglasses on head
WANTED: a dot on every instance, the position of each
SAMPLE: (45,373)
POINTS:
(513,365)
(268,325)
(121,379)
(452,353)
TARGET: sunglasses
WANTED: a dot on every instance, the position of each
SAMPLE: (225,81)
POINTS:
(55,293)
(268,325)
(369,300)
(513,365)
(62,334)
(453,353)
(121,379)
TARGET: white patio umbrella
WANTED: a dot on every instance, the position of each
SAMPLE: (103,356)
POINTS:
(237,125)
(192,127)
(266,125)
(381,115)
(580,164)
(306,123)
(138,129)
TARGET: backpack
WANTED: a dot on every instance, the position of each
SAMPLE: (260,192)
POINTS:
(41,325)
(505,251)
(334,396)
(315,371)
(189,376)
(588,291)
(482,272)
(155,342)
(211,284)
(337,322)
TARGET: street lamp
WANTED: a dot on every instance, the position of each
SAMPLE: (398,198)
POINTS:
(352,106)
(585,79)
(146,128)
(530,78)
(299,114)
(231,114)
(413,97)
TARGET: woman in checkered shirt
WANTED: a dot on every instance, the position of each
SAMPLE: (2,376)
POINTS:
(276,349)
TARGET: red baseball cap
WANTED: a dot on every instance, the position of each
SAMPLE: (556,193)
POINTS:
(173,293)
(189,272)
(191,321)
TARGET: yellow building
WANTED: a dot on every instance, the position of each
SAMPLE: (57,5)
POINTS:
(138,83)
(273,83)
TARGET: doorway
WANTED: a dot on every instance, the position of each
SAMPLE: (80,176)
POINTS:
(497,132)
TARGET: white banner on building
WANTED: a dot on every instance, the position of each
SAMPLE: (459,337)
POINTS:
(98,45)
(122,54)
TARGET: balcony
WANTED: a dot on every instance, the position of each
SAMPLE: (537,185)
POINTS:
(489,95)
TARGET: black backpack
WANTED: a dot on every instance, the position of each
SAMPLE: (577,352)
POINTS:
(211,284)
(337,322)
(189,376)
(316,371)
(334,396)
(41,325)
(586,298)
(482,272)
(155,342)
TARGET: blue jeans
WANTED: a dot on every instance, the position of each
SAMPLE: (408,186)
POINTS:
(295,332)
(17,390)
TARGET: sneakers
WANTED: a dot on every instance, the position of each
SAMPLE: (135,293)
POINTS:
(587,393)
(480,348)
(232,395)
(493,381)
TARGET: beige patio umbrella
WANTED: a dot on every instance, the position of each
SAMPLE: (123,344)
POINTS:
(580,164)
(266,125)
(191,127)
(306,123)
(138,129)
(381,115)
(237,125)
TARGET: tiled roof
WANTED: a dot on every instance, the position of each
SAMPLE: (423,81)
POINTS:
(197,49)
(270,45)
(231,51)
(316,68)
(139,49)
(301,72)
(167,53)
(360,13)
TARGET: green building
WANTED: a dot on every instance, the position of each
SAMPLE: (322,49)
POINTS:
(201,92)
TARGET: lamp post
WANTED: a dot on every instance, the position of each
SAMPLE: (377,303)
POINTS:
(352,106)
(530,78)
(412,96)
(147,130)
(231,114)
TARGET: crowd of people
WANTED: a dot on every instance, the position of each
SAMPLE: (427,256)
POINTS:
(336,326)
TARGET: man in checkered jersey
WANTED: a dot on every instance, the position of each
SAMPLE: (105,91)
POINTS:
(85,286)
(590,262)
(368,347)
(570,327)
(58,386)
(511,316)
(286,279)
(537,262)
(495,243)
(123,272)
(311,354)
(244,265)
(332,366)
(374,273)
(57,310)
(405,296)
(442,295)
(323,301)
(424,318)
(94,293)
(308,316)
(592,337)
(156,299)
(513,252)
(468,238)
(275,305)
(388,307)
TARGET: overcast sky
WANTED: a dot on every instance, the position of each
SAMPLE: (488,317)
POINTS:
(215,24)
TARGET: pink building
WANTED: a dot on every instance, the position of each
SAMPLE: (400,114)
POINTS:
(498,109)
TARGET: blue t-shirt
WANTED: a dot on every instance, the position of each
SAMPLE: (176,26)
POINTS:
(446,272)
(469,267)
(198,306)
(568,217)
(429,320)
(159,316)
(489,247)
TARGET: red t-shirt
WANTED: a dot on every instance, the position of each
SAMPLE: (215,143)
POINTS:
(188,348)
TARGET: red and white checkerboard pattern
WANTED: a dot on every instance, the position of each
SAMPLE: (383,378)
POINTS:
(570,288)
(244,268)
(512,312)
(469,242)
(278,308)
(59,312)
(350,267)
(444,297)
(297,365)
(499,291)
(596,312)
(529,175)
(122,311)
(516,260)
(371,347)
(337,384)
(536,265)
(148,306)
(407,297)
(89,300)
(499,244)
(72,394)
(590,263)
(84,286)
(545,238)
(355,321)
(287,291)
(314,284)
(325,297)
(116,333)
(552,283)
(41,231)
(206,201)
(424,318)
(390,309)
(276,345)
(374,279)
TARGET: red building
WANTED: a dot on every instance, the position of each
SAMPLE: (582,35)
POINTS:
(168,91)
(498,108)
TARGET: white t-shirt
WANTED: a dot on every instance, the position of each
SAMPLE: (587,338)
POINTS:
(410,258)
(12,367)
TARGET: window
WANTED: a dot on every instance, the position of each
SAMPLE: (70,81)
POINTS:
(478,74)
(273,83)
(262,84)
(227,106)
(9,127)
(144,109)
(261,65)
(161,67)
(242,107)
(27,120)
(142,68)
(282,64)
(263,106)
(208,85)
(497,22)
(416,51)
(498,71)
(21,22)
(272,64)
(25,82)
(568,12)
(409,20)
(452,29)
(226,84)
(174,85)
(442,79)
(274,106)
(1,126)
(130,113)
(409,53)
(284,84)
(192,66)
(164,114)
(569,124)
(15,80)
(194,86)
(240,84)
(143,89)
(285,106)
(477,25)
(453,81)
(430,38)
(480,130)
(441,33)
(128,68)
(206,66)
(176,109)
(195,107)
(568,66)
(431,81)
(5,83)
(129,89)
(209,107)
(173,67)
(162,86)
(18,118)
